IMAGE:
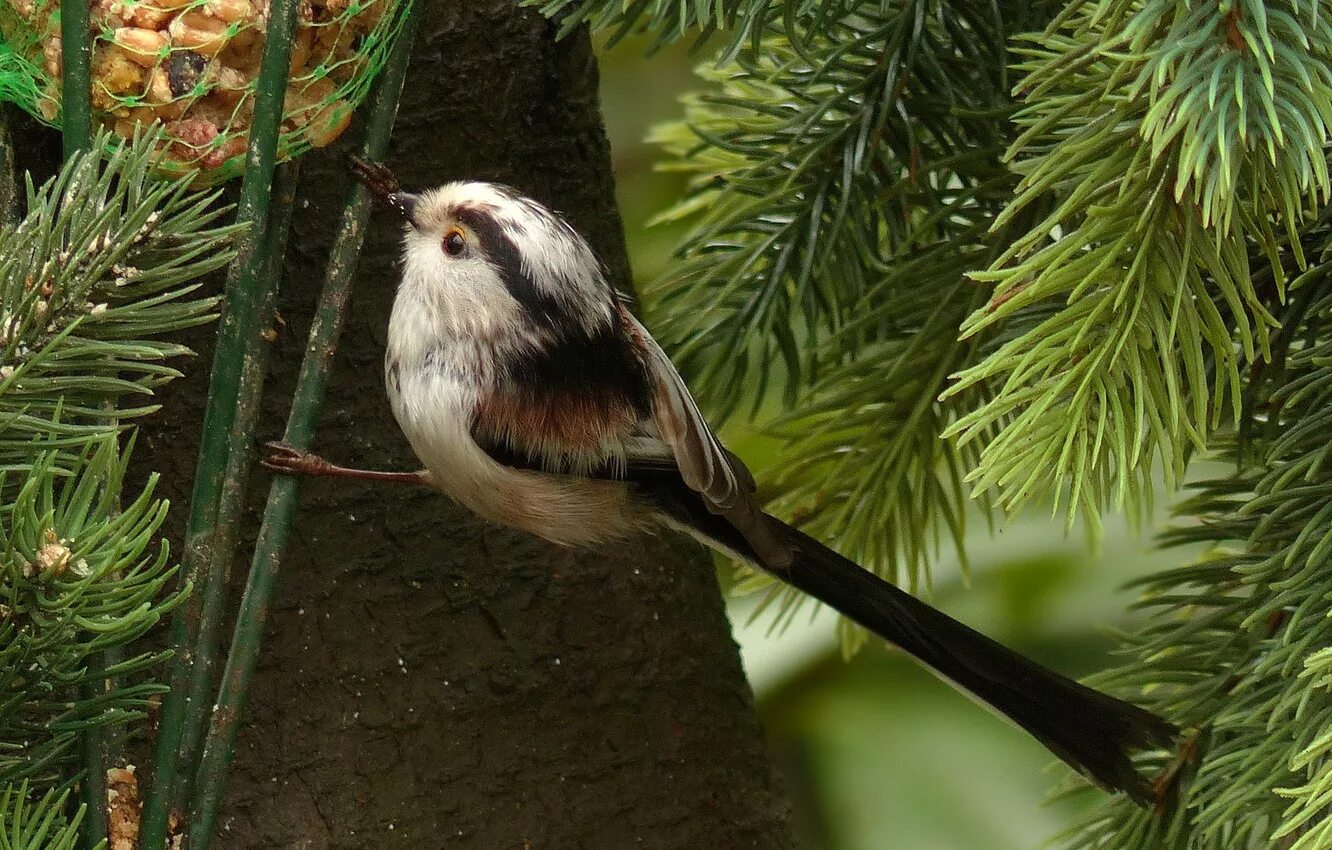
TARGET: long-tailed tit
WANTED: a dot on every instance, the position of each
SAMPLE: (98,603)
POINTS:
(534,397)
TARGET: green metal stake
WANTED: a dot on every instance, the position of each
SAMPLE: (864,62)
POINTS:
(242,311)
(75,60)
(92,753)
(9,194)
(220,744)
(76,136)
(240,458)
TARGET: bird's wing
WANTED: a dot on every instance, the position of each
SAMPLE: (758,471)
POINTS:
(705,464)
(681,435)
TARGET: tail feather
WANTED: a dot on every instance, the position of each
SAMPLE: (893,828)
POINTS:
(1094,733)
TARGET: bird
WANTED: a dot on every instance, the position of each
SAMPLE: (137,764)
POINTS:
(532,395)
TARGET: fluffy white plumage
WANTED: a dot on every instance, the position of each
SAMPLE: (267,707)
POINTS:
(453,321)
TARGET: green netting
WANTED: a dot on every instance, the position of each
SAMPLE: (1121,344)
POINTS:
(191,66)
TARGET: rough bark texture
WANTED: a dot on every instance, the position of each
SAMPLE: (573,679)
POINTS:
(432,681)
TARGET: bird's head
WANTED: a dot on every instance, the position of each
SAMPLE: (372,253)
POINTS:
(497,258)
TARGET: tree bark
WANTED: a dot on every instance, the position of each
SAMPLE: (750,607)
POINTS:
(429,680)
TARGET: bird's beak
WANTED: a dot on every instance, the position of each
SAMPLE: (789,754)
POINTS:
(383,186)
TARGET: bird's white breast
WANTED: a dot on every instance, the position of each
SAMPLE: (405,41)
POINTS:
(434,382)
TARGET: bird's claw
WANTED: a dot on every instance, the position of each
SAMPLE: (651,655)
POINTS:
(290,460)
(375,176)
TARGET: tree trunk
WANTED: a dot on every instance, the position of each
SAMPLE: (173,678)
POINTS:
(429,680)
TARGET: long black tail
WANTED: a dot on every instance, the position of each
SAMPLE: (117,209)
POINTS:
(1094,733)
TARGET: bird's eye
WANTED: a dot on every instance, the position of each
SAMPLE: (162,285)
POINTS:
(454,243)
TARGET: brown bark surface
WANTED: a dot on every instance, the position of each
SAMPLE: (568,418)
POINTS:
(429,680)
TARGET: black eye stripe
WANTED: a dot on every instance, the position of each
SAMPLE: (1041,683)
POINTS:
(500,249)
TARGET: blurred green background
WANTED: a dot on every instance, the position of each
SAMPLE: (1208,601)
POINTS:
(876,753)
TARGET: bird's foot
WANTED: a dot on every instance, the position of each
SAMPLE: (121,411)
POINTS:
(289,460)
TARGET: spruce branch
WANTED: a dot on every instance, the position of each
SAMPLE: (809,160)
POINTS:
(1178,142)
(78,577)
(40,824)
(103,265)
(670,20)
(812,164)
(865,466)
(105,261)
(844,181)
(1236,644)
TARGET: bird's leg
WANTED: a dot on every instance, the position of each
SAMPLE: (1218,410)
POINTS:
(292,461)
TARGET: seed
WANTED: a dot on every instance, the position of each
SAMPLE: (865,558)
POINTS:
(184,69)
(196,31)
(142,46)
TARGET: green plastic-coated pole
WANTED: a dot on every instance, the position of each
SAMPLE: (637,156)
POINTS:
(240,325)
(76,137)
(231,502)
(75,61)
(92,754)
(220,744)
(9,194)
